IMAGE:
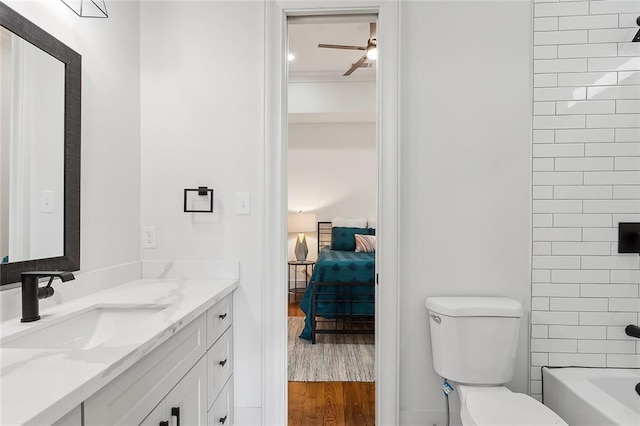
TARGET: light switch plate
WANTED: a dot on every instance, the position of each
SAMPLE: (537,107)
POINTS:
(47,202)
(243,203)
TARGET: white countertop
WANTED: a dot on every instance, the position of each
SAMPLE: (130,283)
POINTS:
(39,386)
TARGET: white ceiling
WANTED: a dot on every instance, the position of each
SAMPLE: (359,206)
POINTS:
(312,63)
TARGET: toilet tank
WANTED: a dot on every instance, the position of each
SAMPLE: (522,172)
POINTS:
(474,339)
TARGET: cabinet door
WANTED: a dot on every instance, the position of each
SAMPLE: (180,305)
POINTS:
(186,403)
(129,399)
(159,414)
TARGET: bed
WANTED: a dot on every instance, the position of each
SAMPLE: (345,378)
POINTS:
(340,296)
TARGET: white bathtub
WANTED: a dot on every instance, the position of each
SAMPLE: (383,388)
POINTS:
(593,396)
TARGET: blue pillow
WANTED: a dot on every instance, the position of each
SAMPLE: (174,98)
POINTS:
(372,231)
(343,238)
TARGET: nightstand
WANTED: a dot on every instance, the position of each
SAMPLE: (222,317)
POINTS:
(308,270)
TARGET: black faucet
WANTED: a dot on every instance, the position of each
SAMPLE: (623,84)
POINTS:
(31,292)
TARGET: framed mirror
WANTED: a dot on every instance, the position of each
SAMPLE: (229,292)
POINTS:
(40,111)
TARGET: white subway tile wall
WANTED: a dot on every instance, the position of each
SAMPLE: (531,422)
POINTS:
(586,179)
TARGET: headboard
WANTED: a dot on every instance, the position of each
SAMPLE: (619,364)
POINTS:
(324,235)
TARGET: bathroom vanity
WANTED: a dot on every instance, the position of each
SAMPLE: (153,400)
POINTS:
(151,352)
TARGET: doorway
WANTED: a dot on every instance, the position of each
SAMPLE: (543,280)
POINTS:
(274,262)
(332,190)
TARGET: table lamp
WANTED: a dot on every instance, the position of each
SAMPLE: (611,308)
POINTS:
(301,223)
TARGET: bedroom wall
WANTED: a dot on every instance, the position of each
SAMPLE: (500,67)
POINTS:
(202,123)
(465,175)
(586,179)
(332,171)
(110,181)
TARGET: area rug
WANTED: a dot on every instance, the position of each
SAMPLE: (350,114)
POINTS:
(334,358)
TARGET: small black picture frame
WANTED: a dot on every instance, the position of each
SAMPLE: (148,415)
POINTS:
(202,191)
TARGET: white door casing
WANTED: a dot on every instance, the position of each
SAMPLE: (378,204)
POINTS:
(274,312)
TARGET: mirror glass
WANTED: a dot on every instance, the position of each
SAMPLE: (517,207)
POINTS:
(40,114)
(31,151)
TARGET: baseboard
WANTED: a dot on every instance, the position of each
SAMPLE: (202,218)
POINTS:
(423,418)
(247,416)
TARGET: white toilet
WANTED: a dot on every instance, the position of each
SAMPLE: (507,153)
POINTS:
(474,342)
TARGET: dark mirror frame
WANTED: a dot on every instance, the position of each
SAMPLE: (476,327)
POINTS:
(70,260)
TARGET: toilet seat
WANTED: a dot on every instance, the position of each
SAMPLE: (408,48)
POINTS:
(506,408)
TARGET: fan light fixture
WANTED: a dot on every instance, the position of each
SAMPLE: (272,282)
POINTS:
(372,51)
(88,8)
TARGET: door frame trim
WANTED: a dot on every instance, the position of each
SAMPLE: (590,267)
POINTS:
(274,309)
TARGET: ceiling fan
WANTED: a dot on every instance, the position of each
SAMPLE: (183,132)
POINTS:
(371,49)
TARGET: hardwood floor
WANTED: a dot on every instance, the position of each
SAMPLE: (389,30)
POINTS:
(330,403)
(294,306)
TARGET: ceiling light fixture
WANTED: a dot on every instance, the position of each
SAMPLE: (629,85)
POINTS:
(88,8)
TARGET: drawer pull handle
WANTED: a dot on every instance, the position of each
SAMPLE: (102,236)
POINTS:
(223,316)
(222,363)
(175,412)
(223,420)
(165,423)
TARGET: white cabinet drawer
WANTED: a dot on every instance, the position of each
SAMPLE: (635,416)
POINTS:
(132,396)
(219,319)
(219,364)
(221,414)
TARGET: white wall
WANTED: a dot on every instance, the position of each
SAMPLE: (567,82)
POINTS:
(110,182)
(332,171)
(202,72)
(465,180)
(586,179)
(331,101)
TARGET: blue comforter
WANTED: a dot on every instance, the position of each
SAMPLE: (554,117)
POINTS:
(340,266)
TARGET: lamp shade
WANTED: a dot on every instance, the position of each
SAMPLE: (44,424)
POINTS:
(302,222)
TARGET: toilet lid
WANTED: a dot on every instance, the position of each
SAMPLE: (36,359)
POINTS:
(506,408)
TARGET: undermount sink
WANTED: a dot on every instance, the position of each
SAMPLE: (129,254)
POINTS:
(85,330)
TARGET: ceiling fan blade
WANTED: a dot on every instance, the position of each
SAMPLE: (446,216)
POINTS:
(341,46)
(355,66)
(373,33)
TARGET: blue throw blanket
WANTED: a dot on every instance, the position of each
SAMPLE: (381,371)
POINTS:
(340,266)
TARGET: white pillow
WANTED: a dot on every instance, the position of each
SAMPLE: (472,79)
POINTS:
(346,222)
(365,243)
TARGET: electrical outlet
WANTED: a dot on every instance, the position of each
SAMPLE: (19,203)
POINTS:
(149,237)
